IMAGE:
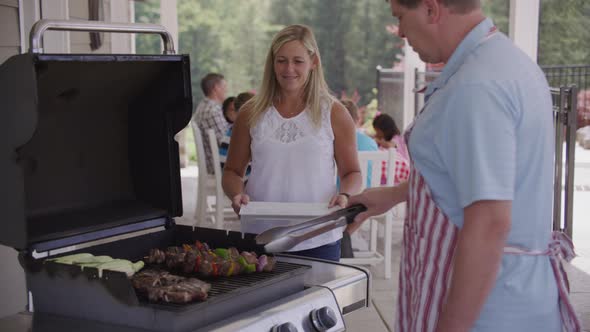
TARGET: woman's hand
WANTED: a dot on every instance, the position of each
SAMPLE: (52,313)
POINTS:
(340,200)
(238,200)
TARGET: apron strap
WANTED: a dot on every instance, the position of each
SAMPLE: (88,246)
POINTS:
(560,247)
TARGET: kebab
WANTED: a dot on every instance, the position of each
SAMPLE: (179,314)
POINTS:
(200,259)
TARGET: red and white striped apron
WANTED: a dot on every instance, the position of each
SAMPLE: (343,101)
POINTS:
(429,242)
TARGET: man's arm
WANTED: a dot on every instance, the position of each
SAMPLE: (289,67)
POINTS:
(477,260)
(378,200)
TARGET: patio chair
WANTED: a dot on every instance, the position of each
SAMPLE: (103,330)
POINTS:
(374,160)
(208,185)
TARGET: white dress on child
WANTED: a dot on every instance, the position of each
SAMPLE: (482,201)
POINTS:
(293,161)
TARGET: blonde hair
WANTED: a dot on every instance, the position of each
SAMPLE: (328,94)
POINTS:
(315,90)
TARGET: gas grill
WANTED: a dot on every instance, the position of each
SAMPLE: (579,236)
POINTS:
(89,164)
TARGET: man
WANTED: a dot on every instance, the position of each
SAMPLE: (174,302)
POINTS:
(477,252)
(209,113)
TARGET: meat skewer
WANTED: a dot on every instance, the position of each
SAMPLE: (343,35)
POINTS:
(201,260)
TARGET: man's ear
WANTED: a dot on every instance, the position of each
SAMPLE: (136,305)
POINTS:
(433,10)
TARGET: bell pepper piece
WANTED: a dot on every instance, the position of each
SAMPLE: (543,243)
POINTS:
(223,253)
(250,268)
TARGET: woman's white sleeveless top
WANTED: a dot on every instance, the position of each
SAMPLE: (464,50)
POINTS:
(293,161)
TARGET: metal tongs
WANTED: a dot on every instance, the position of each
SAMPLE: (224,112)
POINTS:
(279,239)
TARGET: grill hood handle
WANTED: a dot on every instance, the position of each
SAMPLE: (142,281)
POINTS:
(96,26)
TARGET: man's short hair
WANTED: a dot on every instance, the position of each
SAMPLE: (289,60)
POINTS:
(352,109)
(460,6)
(209,82)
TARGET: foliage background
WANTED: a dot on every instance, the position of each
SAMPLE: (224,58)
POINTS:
(354,36)
(233,36)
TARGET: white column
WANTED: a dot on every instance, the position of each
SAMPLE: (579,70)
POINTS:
(169,19)
(524,25)
(55,41)
(120,12)
(411,61)
(132,19)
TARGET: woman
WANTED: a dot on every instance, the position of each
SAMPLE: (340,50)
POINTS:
(295,134)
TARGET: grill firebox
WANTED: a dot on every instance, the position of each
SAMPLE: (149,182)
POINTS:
(69,291)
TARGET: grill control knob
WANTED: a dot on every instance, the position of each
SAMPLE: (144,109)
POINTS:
(285,327)
(323,318)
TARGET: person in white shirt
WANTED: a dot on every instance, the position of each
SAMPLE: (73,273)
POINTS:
(296,135)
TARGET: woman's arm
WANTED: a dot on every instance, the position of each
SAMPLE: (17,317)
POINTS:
(237,161)
(477,261)
(345,154)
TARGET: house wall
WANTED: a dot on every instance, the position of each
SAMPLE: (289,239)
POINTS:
(9,29)
(12,283)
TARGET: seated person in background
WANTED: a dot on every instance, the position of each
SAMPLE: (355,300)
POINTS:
(209,114)
(363,143)
(388,136)
(229,110)
(231,116)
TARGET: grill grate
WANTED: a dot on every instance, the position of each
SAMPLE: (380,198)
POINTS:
(223,288)
(222,285)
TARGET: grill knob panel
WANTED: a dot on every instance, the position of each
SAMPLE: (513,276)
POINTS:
(285,327)
(323,318)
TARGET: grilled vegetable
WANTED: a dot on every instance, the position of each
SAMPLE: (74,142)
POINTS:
(71,259)
(85,260)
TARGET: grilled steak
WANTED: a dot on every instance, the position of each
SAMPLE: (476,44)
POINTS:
(162,286)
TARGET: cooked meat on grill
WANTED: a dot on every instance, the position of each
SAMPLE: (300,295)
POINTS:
(199,259)
(156,256)
(164,286)
(174,257)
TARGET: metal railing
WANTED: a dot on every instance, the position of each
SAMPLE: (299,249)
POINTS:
(390,93)
(565,122)
(557,76)
(569,79)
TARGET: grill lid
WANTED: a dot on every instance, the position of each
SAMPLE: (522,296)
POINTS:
(88,144)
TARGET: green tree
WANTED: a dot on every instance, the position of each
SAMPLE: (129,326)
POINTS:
(352,38)
(499,12)
(564,37)
(147,12)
